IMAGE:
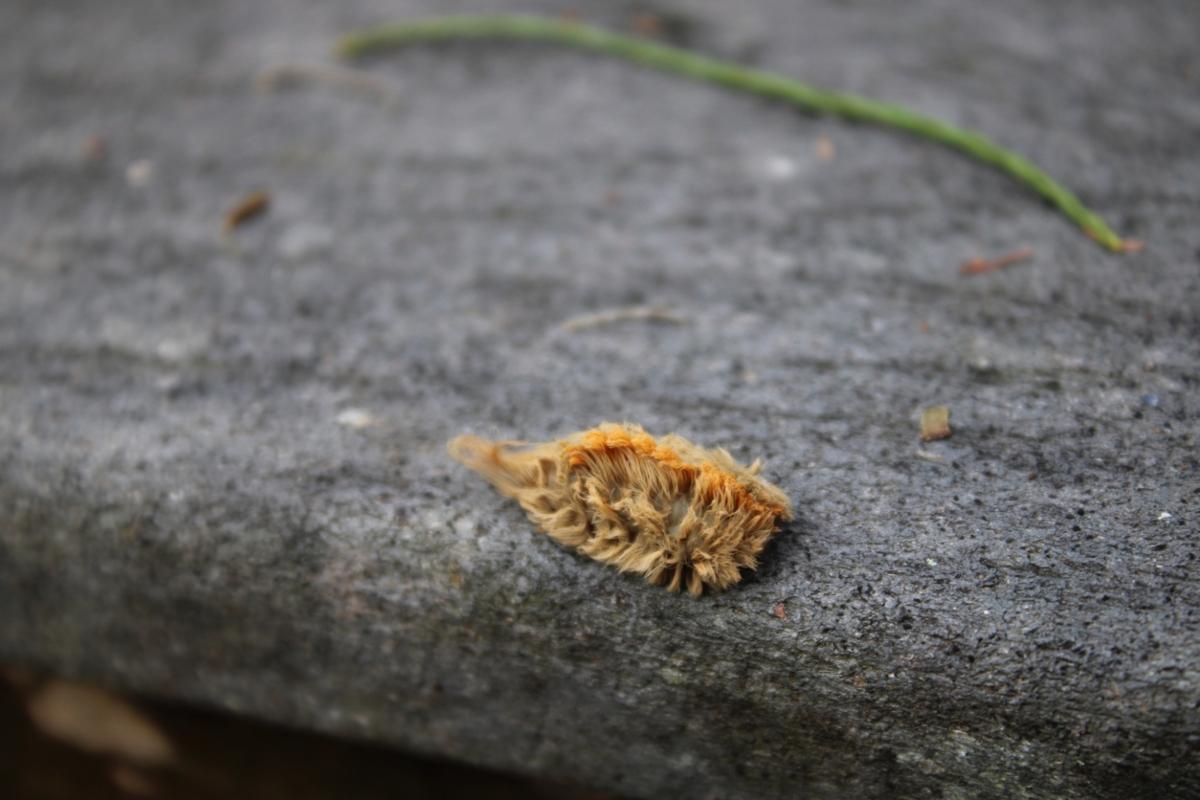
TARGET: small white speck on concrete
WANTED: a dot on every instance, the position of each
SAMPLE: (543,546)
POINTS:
(931,562)
(356,418)
(672,676)
(140,173)
(466,524)
(778,167)
(431,519)
(182,347)
(304,239)
(1164,516)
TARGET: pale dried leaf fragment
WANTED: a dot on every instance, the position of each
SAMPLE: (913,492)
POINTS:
(357,418)
(633,313)
(679,514)
(98,721)
(935,423)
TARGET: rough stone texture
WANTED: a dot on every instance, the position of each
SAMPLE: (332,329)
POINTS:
(181,511)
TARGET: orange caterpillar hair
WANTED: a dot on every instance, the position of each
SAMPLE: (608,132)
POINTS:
(679,514)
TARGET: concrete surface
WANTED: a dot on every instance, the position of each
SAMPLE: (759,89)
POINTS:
(222,475)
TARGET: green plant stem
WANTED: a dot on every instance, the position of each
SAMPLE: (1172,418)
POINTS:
(759,82)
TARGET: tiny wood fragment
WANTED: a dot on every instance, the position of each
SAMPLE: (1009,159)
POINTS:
(679,514)
(246,209)
(978,266)
(935,423)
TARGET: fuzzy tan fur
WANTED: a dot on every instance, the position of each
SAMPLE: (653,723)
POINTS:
(679,514)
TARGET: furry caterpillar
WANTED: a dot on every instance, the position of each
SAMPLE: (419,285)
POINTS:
(677,513)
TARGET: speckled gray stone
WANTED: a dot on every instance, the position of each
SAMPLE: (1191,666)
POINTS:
(222,475)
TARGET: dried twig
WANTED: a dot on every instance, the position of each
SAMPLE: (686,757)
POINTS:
(650,313)
(978,266)
(249,207)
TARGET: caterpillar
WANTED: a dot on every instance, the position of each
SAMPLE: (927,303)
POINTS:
(681,515)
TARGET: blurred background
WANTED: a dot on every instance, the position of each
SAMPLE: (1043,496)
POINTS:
(63,740)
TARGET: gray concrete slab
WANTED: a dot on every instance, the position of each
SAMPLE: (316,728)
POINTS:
(222,475)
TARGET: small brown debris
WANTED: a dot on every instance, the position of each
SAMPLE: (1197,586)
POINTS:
(95,148)
(978,266)
(923,326)
(935,423)
(648,24)
(133,781)
(780,610)
(98,721)
(246,209)
(825,149)
(20,678)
